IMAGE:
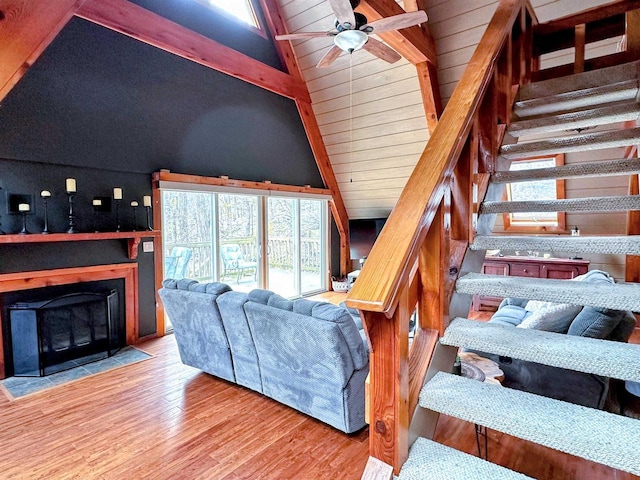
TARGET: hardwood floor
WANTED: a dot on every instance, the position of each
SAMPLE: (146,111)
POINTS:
(159,419)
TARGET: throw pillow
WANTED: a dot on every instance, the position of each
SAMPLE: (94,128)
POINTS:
(595,322)
(555,318)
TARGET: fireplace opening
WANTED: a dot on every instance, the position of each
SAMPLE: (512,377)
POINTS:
(56,334)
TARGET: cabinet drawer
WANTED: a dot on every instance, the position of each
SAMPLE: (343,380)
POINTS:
(524,270)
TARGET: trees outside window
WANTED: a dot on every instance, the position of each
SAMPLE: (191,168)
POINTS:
(536,190)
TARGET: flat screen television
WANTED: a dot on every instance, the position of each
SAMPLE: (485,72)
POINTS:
(363,234)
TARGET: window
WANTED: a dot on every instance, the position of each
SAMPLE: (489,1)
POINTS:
(211,236)
(535,190)
(240,9)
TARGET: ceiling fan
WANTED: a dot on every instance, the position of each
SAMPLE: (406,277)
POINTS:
(351,32)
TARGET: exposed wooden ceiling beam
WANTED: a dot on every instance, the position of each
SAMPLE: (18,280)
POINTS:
(423,49)
(287,55)
(136,22)
(27,27)
(430,89)
(411,43)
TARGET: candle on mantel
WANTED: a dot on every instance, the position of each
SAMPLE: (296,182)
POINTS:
(146,200)
(71,185)
(117,193)
(97,202)
(24,207)
(45,193)
(134,204)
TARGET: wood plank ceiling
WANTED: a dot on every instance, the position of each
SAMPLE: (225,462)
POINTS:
(371,113)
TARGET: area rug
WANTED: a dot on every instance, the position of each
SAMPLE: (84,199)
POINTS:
(15,387)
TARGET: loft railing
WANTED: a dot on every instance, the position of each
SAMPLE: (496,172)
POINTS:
(597,27)
(419,253)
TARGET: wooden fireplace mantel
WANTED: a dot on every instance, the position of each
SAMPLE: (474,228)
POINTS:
(133,238)
(12,282)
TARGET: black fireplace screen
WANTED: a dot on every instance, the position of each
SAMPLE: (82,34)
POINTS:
(62,333)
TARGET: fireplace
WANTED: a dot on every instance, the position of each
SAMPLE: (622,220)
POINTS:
(16,282)
(64,332)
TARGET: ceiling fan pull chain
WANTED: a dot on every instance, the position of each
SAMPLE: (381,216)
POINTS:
(351,117)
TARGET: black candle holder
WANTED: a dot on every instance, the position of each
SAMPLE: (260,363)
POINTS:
(72,216)
(149,227)
(95,220)
(135,220)
(45,230)
(117,214)
(1,232)
(24,230)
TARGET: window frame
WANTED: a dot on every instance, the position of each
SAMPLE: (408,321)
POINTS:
(258,28)
(514,226)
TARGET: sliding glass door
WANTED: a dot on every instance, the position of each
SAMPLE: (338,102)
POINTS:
(238,227)
(211,236)
(282,251)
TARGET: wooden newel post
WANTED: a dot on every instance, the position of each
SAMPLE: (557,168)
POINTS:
(389,387)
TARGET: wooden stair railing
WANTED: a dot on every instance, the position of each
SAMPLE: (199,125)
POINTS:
(416,259)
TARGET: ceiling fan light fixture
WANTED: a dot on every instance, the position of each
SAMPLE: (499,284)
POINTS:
(350,40)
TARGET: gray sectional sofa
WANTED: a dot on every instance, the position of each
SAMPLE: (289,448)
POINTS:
(575,387)
(311,356)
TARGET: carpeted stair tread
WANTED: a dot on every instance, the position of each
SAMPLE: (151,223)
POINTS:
(614,245)
(579,81)
(565,102)
(619,296)
(588,433)
(589,204)
(575,143)
(574,170)
(583,354)
(429,460)
(576,120)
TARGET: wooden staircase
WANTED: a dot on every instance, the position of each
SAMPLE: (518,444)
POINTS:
(433,245)
(589,433)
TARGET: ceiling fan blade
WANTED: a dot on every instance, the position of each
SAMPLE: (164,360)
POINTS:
(380,50)
(343,11)
(332,54)
(303,35)
(396,22)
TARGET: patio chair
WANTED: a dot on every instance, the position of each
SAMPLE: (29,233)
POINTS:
(234,262)
(176,262)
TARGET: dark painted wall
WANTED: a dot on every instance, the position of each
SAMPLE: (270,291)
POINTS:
(109,110)
(208,22)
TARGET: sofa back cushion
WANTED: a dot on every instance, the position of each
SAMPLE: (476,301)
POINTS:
(197,324)
(323,311)
(305,362)
(245,358)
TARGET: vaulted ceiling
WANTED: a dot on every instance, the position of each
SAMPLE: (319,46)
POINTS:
(371,113)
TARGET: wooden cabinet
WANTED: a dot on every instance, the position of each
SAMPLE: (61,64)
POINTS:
(534,267)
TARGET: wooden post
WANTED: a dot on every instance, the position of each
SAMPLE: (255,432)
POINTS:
(580,38)
(158,267)
(632,270)
(389,387)
(429,87)
(633,35)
